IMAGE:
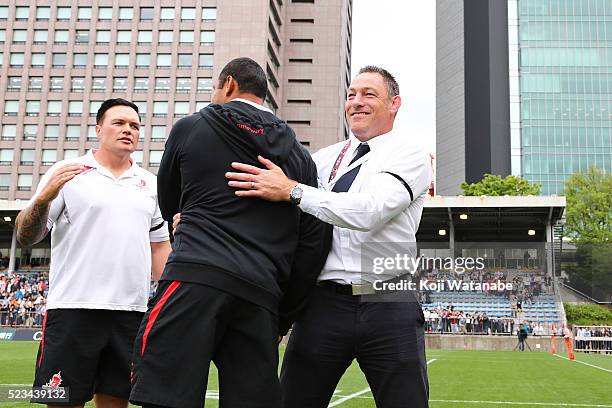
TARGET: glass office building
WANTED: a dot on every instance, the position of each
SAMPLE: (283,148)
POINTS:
(560,88)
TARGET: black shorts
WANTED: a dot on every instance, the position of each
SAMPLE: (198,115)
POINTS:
(88,351)
(187,326)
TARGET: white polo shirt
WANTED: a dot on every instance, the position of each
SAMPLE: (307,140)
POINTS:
(101,230)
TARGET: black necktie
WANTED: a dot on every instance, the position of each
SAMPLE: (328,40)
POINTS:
(344,183)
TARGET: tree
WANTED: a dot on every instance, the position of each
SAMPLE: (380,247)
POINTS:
(589,207)
(589,225)
(492,185)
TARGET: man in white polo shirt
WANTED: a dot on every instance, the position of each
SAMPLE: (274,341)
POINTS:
(108,239)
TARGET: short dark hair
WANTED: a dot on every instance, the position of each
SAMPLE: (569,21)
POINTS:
(392,85)
(109,103)
(249,75)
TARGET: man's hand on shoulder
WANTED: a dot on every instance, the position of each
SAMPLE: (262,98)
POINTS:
(269,184)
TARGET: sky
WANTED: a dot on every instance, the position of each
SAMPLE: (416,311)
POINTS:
(400,36)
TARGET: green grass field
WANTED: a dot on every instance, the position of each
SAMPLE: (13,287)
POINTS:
(462,379)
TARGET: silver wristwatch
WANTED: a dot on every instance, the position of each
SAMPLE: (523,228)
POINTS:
(295,195)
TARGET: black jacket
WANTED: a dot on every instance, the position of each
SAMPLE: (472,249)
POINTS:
(267,253)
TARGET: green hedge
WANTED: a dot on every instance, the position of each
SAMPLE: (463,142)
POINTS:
(588,314)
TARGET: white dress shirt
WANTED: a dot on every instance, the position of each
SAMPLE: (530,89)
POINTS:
(378,208)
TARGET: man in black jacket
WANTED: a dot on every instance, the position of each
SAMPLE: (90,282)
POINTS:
(235,262)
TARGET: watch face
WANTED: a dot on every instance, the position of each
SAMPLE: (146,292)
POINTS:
(296,194)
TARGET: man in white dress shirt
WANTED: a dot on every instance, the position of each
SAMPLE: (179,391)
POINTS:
(372,191)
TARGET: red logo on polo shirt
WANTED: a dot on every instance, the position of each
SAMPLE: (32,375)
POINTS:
(142,184)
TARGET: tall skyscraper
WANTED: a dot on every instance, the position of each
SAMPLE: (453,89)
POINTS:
(543,110)
(564,108)
(60,60)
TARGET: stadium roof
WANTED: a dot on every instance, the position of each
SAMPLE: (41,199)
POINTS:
(489,219)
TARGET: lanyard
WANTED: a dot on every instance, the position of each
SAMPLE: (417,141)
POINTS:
(339,161)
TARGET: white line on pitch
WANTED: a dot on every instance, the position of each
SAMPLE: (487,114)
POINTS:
(357,394)
(582,362)
(547,404)
(348,397)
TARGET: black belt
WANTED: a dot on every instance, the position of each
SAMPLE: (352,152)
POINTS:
(336,287)
(357,289)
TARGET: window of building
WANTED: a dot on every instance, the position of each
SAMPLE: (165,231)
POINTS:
(120,84)
(3,13)
(158,133)
(35,83)
(71,154)
(51,132)
(30,131)
(32,108)
(142,108)
(61,36)
(24,182)
(186,37)
(9,132)
(160,109)
(54,108)
(98,84)
(165,37)
(164,60)
(188,13)
(93,107)
(126,13)
(63,13)
(91,133)
(137,156)
(162,84)
(6,157)
(181,109)
(2,36)
(82,37)
(77,84)
(100,60)
(209,13)
(166,14)
(205,60)
(58,59)
(122,60)
(5,181)
(79,60)
(84,13)
(207,37)
(205,85)
(201,105)
(13,84)
(155,157)
(145,37)
(43,13)
(41,36)
(124,37)
(143,60)
(141,84)
(37,59)
(146,13)
(105,13)
(183,85)
(185,60)
(75,108)
(27,157)
(20,36)
(56,83)
(49,156)
(22,13)
(73,133)
(11,108)
(1,59)
(103,36)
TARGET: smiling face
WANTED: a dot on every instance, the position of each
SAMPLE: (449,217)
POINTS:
(118,130)
(369,109)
